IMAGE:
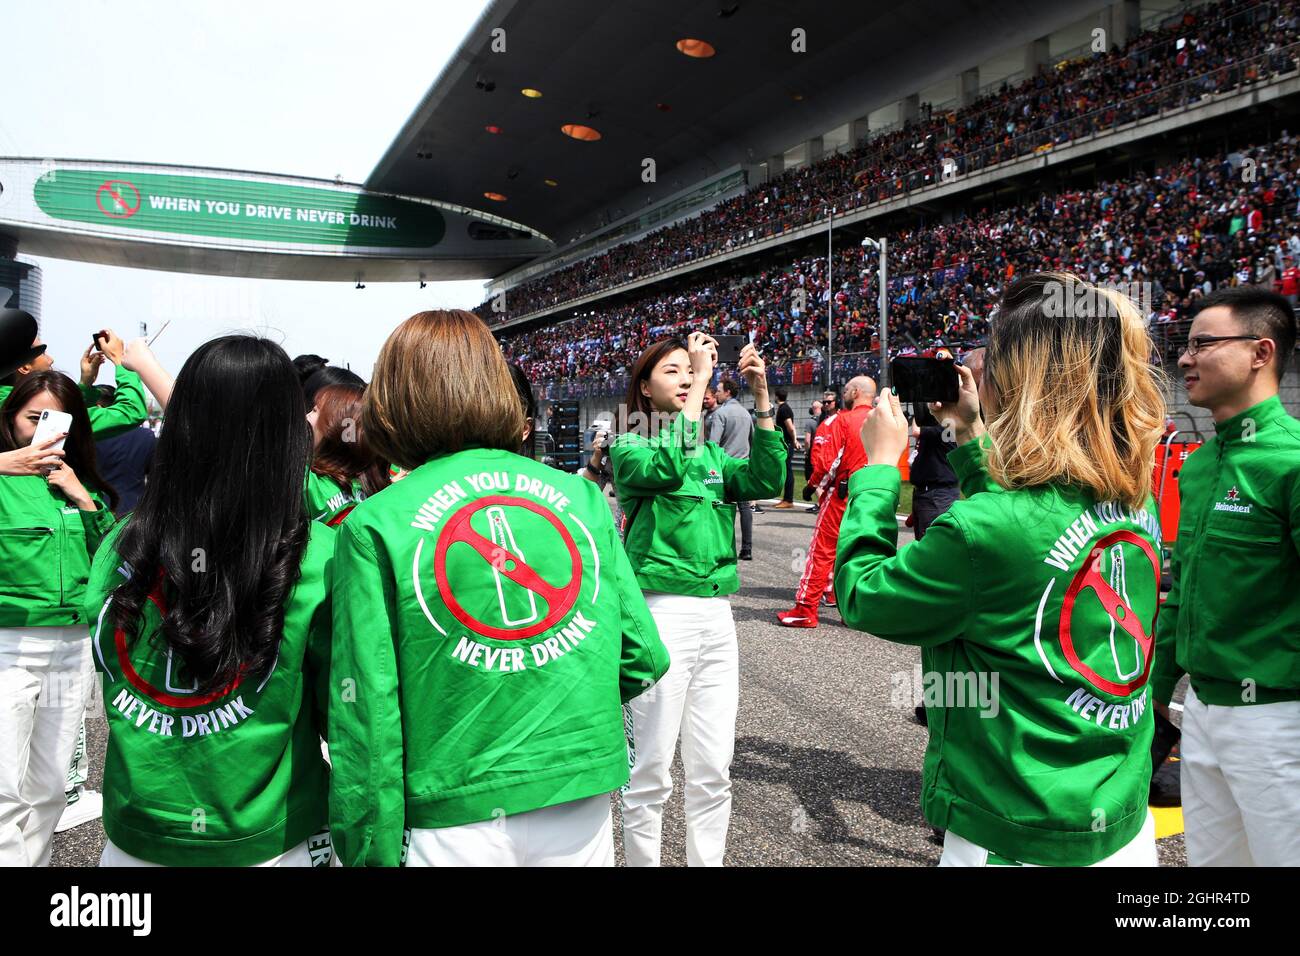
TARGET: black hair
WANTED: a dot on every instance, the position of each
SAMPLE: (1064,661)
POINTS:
(220,528)
(781,394)
(308,365)
(106,395)
(1261,312)
(329,375)
(526,398)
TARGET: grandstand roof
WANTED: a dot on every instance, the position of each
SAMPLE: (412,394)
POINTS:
(615,67)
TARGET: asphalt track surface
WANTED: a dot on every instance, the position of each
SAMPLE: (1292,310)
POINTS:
(827,769)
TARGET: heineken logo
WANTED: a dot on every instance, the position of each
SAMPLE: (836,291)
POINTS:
(1232,502)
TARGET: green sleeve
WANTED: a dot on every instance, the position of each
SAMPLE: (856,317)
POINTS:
(367,788)
(644,658)
(762,474)
(317,676)
(97,523)
(967,461)
(1165,672)
(89,393)
(127,411)
(648,467)
(920,595)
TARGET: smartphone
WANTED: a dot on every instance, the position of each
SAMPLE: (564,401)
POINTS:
(729,347)
(51,424)
(95,342)
(920,380)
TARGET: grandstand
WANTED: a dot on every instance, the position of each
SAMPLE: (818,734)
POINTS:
(1133,142)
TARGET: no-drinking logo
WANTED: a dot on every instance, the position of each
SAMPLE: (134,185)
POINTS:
(155,696)
(1099,634)
(503,575)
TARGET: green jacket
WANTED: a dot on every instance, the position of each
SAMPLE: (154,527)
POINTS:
(679,495)
(127,411)
(488,629)
(1036,695)
(230,778)
(1232,619)
(327,501)
(46,544)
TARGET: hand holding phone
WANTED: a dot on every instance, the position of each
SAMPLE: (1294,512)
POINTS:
(51,424)
(729,347)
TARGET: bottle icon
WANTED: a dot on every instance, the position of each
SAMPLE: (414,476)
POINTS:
(1118,582)
(501,536)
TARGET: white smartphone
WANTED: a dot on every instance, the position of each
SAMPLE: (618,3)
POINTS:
(51,424)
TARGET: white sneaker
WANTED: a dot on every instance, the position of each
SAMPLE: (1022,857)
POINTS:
(88,806)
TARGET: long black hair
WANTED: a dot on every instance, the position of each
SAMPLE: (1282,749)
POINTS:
(79,446)
(220,528)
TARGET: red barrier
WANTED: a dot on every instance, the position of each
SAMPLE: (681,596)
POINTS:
(1169,465)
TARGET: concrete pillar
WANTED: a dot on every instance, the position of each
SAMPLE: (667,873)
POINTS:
(909,107)
(968,86)
(775,166)
(858,129)
(1037,54)
(812,150)
(1122,21)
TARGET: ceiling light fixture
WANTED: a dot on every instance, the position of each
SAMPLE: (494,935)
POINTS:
(577,131)
(696,49)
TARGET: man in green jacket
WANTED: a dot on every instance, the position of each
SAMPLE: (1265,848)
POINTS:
(1232,620)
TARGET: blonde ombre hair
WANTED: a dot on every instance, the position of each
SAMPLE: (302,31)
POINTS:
(1078,400)
(440,385)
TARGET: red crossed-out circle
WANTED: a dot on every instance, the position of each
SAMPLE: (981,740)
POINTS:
(153,693)
(1089,576)
(559,600)
(118,198)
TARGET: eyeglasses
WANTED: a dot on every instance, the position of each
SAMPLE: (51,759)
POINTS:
(1201,341)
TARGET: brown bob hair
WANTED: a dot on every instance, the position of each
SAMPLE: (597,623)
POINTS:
(440,385)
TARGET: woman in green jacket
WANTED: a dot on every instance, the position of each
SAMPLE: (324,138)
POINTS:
(343,469)
(210,621)
(50,525)
(488,629)
(679,493)
(1034,599)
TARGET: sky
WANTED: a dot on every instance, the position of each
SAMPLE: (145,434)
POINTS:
(301,88)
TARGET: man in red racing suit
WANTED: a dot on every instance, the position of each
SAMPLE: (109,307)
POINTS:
(836,454)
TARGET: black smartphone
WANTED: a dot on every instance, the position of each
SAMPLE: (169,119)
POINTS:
(95,342)
(919,380)
(729,347)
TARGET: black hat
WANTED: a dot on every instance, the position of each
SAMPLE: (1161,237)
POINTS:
(17,333)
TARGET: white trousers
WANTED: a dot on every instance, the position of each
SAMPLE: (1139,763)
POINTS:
(1241,783)
(314,851)
(1139,851)
(696,700)
(45,678)
(577,833)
